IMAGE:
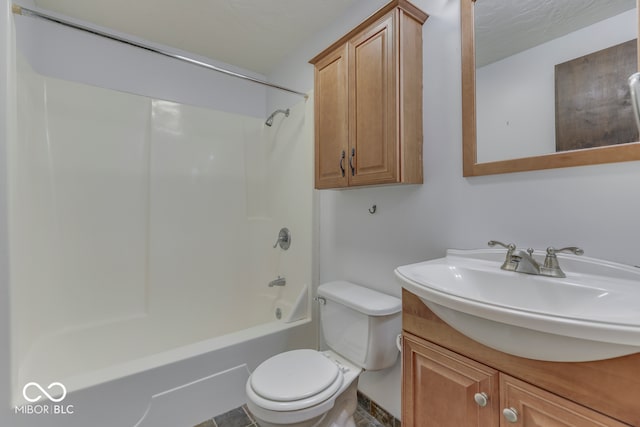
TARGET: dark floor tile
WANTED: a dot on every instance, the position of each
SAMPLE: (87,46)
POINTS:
(364,401)
(234,418)
(249,414)
(368,414)
(381,415)
(362,418)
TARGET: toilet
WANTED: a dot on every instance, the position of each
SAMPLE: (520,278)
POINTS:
(309,388)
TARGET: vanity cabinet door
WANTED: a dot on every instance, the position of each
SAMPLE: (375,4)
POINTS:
(529,406)
(440,388)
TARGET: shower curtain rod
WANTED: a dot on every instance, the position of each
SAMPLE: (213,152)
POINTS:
(20,10)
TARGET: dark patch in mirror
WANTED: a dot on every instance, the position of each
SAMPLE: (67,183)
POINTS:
(593,104)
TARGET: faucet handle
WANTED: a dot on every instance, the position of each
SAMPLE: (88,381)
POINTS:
(510,261)
(573,249)
(551,260)
(284,239)
(511,247)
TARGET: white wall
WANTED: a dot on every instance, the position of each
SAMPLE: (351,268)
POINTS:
(595,207)
(515,97)
(58,51)
(7,108)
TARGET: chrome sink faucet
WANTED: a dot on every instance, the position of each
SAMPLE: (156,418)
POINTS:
(524,262)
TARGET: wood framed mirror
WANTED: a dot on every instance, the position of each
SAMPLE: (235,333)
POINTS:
(475,165)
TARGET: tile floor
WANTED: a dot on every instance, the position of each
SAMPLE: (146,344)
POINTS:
(238,417)
(368,414)
(376,413)
(365,419)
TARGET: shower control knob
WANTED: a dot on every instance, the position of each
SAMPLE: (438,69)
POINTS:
(284,239)
(510,414)
(482,399)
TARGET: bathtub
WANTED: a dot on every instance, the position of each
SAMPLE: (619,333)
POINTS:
(133,382)
(132,286)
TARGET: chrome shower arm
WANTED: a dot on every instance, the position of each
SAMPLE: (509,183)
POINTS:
(269,121)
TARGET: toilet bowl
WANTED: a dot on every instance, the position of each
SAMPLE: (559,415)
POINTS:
(309,388)
(301,388)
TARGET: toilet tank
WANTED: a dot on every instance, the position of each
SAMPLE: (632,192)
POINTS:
(360,324)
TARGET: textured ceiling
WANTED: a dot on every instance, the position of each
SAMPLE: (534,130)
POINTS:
(253,34)
(257,34)
(505,27)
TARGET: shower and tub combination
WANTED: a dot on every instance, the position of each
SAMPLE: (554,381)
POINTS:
(143,273)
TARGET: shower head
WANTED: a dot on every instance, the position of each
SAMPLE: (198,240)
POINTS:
(269,121)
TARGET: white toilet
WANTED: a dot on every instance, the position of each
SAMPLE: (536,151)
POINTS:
(308,388)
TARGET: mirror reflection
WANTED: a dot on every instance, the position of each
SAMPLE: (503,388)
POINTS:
(548,77)
(552,76)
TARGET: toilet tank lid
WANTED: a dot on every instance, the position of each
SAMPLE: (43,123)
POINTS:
(364,300)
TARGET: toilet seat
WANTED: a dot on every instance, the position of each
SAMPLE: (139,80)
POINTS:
(294,380)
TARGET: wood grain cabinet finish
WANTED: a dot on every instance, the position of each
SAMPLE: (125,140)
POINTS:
(439,387)
(443,370)
(331,119)
(537,408)
(368,102)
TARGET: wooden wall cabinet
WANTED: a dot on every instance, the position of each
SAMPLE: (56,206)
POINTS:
(368,102)
(449,380)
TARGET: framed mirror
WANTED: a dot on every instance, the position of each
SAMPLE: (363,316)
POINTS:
(508,125)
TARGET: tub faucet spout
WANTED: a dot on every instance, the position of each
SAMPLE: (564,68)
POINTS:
(280,281)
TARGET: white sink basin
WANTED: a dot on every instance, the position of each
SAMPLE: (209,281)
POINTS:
(592,314)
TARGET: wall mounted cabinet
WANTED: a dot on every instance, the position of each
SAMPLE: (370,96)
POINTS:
(451,380)
(368,102)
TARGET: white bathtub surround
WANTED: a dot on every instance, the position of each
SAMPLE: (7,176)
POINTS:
(141,236)
(161,411)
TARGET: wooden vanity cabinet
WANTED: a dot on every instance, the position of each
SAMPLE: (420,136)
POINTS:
(444,372)
(439,387)
(535,407)
(445,389)
(368,102)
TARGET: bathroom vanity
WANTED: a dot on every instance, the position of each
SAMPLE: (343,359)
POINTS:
(449,379)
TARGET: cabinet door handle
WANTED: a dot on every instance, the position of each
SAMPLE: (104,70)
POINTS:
(510,414)
(482,399)
(341,164)
(353,154)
